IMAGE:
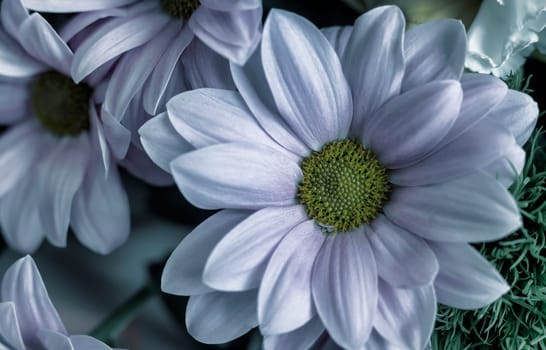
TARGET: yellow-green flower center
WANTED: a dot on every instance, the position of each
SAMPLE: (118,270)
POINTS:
(180,8)
(344,186)
(61,105)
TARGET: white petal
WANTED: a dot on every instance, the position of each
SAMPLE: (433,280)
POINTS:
(344,284)
(14,61)
(14,101)
(231,5)
(406,316)
(374,66)
(285,302)
(64,6)
(85,342)
(10,335)
(182,276)
(23,285)
(139,165)
(51,340)
(403,259)
(13,14)
(302,338)
(338,36)
(306,79)
(239,260)
(117,135)
(237,175)
(466,279)
(78,23)
(217,317)
(474,208)
(507,168)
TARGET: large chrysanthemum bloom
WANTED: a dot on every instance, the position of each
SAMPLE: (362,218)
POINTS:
(157,48)
(354,167)
(28,319)
(53,153)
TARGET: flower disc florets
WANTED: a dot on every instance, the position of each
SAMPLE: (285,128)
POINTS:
(61,105)
(180,8)
(344,186)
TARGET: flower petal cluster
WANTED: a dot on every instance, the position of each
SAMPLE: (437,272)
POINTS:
(451,145)
(53,161)
(28,318)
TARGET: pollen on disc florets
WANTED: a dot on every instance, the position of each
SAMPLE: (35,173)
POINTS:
(180,8)
(344,186)
(61,105)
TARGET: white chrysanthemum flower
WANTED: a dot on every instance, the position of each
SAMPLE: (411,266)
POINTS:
(53,154)
(354,167)
(503,34)
(28,319)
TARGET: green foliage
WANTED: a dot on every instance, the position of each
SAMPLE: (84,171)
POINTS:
(517,321)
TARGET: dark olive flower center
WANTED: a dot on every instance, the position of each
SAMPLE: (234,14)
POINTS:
(180,8)
(61,105)
(344,186)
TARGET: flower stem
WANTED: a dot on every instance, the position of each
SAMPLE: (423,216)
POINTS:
(123,314)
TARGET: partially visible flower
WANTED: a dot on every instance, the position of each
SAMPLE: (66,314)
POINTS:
(503,34)
(354,167)
(53,155)
(28,319)
(157,48)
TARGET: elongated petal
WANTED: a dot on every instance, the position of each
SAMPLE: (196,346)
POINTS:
(285,302)
(14,61)
(23,285)
(85,342)
(472,151)
(75,25)
(115,38)
(14,101)
(10,335)
(344,284)
(237,175)
(117,135)
(507,168)
(418,120)
(403,260)
(217,317)
(369,52)
(475,208)
(406,316)
(466,279)
(376,341)
(52,340)
(60,175)
(13,14)
(206,117)
(65,6)
(434,51)
(252,85)
(306,79)
(161,141)
(182,275)
(239,260)
(231,5)
(338,36)
(139,165)
(42,41)
(301,338)
(233,34)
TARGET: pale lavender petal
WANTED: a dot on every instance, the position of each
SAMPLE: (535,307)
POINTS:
(14,61)
(472,151)
(85,342)
(115,38)
(418,120)
(466,279)
(474,208)
(117,135)
(206,117)
(301,338)
(338,36)
(52,340)
(23,285)
(285,301)
(59,177)
(376,341)
(434,51)
(237,175)
(373,64)
(252,85)
(507,168)
(403,259)
(344,284)
(13,14)
(204,68)
(138,163)
(10,335)
(97,136)
(164,72)
(161,141)
(83,20)
(100,212)
(306,79)
(518,112)
(406,316)
(218,317)
(239,260)
(223,5)
(233,34)
(182,276)
(65,6)
(14,100)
